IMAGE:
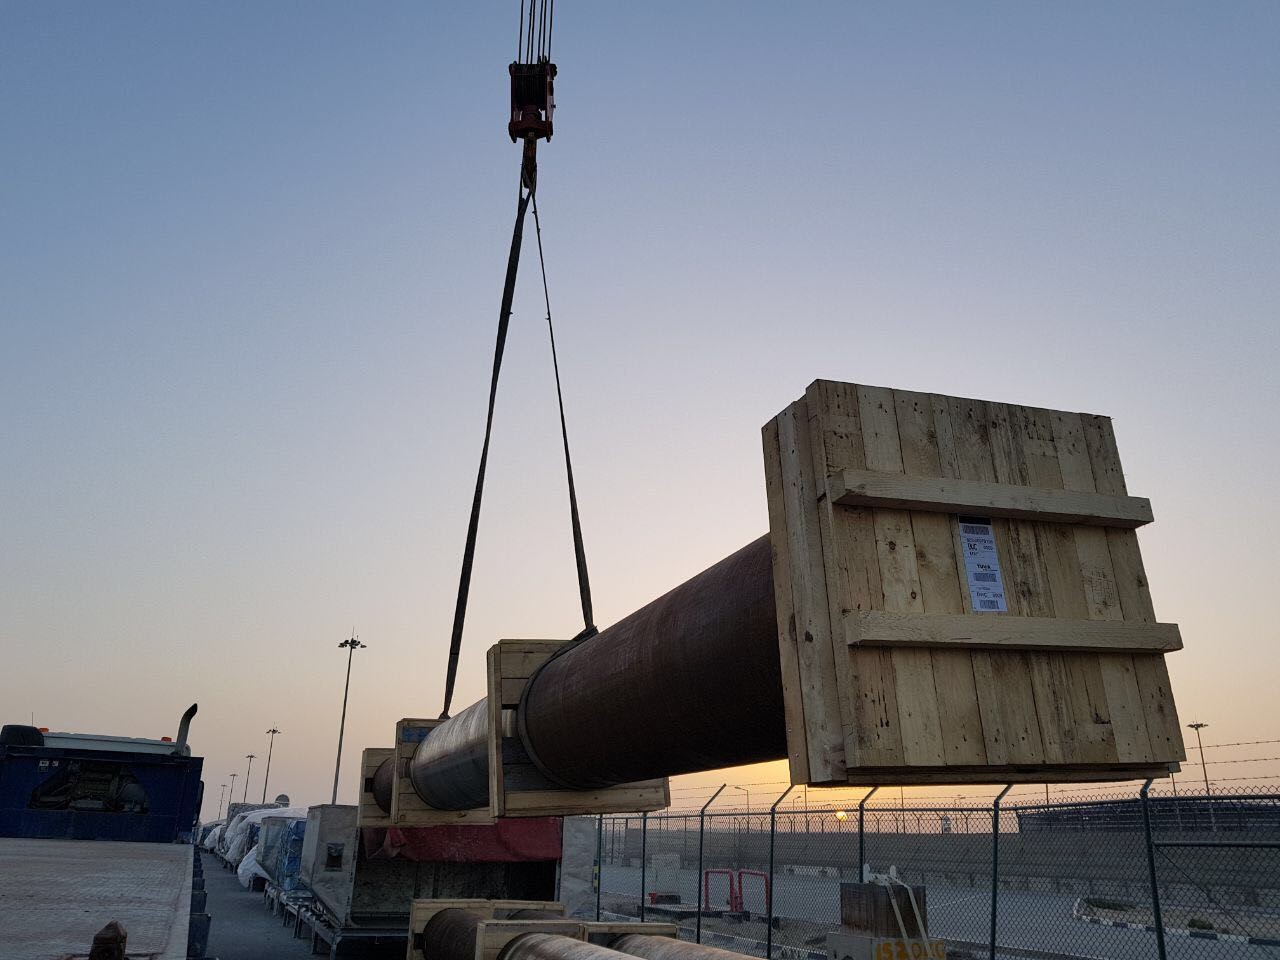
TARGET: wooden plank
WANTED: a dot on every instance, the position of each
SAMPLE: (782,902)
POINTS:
(866,488)
(1102,600)
(497,782)
(788,652)
(914,689)
(1069,690)
(886,628)
(368,813)
(1003,681)
(646,795)
(1160,713)
(1008,773)
(811,618)
(928,449)
(868,711)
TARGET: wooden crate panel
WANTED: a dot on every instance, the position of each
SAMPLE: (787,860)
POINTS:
(421,912)
(368,813)
(886,665)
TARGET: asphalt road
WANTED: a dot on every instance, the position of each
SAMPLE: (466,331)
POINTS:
(242,927)
(1031,921)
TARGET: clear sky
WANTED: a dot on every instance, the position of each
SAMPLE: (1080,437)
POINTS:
(250,258)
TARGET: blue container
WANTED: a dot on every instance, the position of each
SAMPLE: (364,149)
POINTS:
(58,792)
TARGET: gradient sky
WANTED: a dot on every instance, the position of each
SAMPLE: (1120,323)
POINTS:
(250,258)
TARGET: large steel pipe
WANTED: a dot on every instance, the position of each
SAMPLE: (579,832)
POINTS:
(666,948)
(689,682)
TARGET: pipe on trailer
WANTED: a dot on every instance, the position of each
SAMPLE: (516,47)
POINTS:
(668,948)
(689,682)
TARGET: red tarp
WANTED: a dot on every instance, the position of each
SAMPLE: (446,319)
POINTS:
(506,841)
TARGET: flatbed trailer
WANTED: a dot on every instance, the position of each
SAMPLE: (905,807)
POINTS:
(56,894)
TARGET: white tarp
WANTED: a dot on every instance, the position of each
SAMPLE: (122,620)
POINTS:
(249,869)
(241,833)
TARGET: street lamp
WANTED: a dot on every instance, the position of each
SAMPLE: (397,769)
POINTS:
(249,757)
(1197,727)
(352,646)
(222,796)
(748,793)
(270,746)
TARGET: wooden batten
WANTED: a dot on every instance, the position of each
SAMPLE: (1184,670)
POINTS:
(890,675)
(407,808)
(368,813)
(516,787)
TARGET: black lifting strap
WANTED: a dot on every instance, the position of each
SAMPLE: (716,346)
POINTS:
(469,551)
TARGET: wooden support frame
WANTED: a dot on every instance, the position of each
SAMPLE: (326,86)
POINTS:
(516,787)
(889,674)
(368,813)
(407,808)
(421,912)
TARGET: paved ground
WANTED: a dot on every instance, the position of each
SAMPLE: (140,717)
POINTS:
(1030,921)
(56,894)
(243,928)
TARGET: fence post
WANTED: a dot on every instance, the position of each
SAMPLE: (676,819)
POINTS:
(862,835)
(599,861)
(1151,872)
(768,889)
(644,857)
(995,864)
(702,826)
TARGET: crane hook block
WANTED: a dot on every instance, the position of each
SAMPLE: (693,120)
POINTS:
(532,100)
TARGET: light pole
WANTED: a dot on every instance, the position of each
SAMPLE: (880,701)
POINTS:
(352,646)
(1208,796)
(231,797)
(270,746)
(221,797)
(249,757)
(748,793)
(1197,727)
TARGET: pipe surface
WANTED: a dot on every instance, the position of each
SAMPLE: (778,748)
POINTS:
(450,768)
(690,682)
(451,935)
(553,946)
(384,782)
(668,948)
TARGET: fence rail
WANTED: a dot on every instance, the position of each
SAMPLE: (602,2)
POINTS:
(1186,877)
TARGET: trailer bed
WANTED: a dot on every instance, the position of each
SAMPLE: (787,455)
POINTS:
(56,894)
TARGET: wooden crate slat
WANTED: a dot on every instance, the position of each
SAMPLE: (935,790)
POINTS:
(1009,633)
(368,813)
(407,808)
(870,731)
(788,652)
(922,445)
(867,488)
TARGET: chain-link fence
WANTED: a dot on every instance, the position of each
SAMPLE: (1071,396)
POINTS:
(1054,880)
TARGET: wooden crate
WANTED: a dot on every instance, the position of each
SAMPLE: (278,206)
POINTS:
(889,674)
(407,808)
(421,912)
(516,787)
(368,813)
